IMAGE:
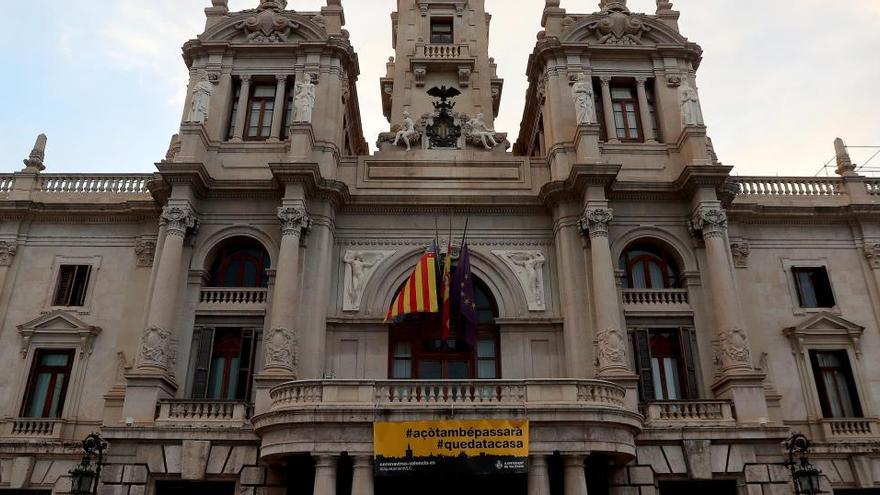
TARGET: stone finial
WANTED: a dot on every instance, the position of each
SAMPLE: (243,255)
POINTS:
(220,5)
(272,5)
(663,6)
(613,5)
(845,165)
(38,154)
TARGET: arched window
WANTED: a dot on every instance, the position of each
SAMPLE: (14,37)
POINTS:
(648,266)
(417,352)
(240,262)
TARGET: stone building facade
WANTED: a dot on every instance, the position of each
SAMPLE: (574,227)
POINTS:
(663,325)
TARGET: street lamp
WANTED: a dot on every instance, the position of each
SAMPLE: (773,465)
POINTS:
(805,477)
(84,478)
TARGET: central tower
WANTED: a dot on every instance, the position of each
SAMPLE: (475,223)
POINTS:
(441,43)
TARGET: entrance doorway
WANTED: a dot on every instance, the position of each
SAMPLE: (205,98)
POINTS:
(720,487)
(457,485)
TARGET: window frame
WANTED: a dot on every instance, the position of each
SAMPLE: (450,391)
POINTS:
(787,264)
(441,20)
(35,370)
(72,298)
(634,99)
(669,266)
(94,262)
(204,339)
(817,276)
(689,379)
(822,391)
(262,111)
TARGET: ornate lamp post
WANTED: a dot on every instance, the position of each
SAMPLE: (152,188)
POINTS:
(84,478)
(804,476)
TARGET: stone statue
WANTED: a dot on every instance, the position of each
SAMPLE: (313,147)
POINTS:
(531,264)
(691,113)
(359,269)
(201,99)
(408,131)
(584,104)
(358,274)
(480,130)
(304,100)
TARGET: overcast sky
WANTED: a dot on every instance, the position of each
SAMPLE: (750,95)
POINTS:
(105,80)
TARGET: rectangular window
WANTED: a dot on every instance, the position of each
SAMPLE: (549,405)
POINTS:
(261,107)
(73,281)
(441,31)
(224,364)
(665,362)
(487,362)
(835,384)
(233,115)
(626,111)
(47,385)
(402,365)
(813,287)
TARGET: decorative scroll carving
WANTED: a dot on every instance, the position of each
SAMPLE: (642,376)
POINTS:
(294,220)
(734,347)
(618,27)
(595,222)
(145,251)
(612,347)
(359,268)
(464,76)
(282,349)
(178,219)
(155,347)
(7,252)
(740,251)
(420,73)
(268,25)
(528,266)
(712,222)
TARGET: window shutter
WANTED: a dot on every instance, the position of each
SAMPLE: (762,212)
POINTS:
(245,374)
(641,345)
(203,363)
(689,353)
(65,281)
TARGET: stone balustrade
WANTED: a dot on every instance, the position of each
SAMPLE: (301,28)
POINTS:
(459,393)
(689,413)
(872,186)
(202,413)
(35,427)
(789,186)
(233,296)
(850,428)
(445,51)
(656,299)
(7,183)
(95,184)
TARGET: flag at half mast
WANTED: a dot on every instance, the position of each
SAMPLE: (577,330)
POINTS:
(419,293)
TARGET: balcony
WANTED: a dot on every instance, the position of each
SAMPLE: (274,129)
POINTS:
(656,300)
(678,414)
(203,414)
(593,412)
(852,429)
(221,299)
(38,428)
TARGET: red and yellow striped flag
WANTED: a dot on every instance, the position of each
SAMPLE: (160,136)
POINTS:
(419,293)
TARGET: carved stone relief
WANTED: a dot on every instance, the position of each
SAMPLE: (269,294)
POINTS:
(359,268)
(156,348)
(282,349)
(7,252)
(740,250)
(612,347)
(145,250)
(528,266)
(734,347)
(268,25)
(619,27)
(872,254)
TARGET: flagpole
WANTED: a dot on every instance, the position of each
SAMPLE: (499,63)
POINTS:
(464,235)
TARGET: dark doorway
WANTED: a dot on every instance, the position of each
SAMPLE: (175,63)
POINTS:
(721,487)
(457,485)
(195,488)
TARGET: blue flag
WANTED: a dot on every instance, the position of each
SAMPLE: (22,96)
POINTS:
(463,284)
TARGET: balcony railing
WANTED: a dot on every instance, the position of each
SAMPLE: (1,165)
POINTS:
(35,428)
(458,393)
(788,186)
(7,183)
(445,52)
(202,413)
(656,299)
(83,183)
(850,428)
(689,413)
(223,296)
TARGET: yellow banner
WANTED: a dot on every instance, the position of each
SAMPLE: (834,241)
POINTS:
(481,445)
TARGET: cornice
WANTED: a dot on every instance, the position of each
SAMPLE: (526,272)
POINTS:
(574,187)
(309,175)
(800,215)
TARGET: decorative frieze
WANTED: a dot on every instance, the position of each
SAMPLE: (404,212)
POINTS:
(178,219)
(294,220)
(7,252)
(595,222)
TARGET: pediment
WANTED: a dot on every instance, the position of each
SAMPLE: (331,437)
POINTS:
(57,320)
(826,329)
(620,28)
(57,328)
(268,27)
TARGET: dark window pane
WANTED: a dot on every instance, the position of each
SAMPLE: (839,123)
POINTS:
(835,384)
(813,287)
(73,281)
(47,385)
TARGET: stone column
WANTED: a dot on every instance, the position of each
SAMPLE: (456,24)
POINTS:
(608,110)
(155,352)
(575,476)
(241,117)
(539,479)
(645,110)
(572,290)
(362,480)
(281,343)
(325,475)
(732,337)
(278,114)
(609,331)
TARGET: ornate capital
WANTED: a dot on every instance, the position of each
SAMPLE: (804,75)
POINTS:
(606,80)
(156,348)
(294,220)
(712,222)
(245,78)
(281,78)
(612,348)
(178,219)
(872,254)
(595,222)
(7,252)
(734,349)
(282,350)
(641,80)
